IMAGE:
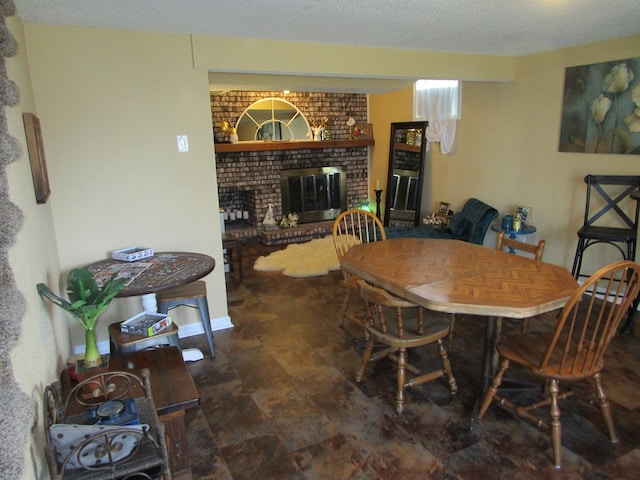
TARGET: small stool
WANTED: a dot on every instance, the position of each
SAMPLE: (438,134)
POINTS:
(192,295)
(126,343)
(231,243)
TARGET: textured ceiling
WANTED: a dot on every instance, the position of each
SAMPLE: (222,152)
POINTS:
(492,27)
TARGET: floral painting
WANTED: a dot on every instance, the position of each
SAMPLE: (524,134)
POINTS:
(601,108)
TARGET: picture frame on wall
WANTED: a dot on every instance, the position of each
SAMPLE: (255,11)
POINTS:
(35,147)
(362,131)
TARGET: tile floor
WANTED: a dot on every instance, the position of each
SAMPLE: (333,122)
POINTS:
(280,401)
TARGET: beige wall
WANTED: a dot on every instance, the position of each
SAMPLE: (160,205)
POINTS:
(111,104)
(506,150)
(43,344)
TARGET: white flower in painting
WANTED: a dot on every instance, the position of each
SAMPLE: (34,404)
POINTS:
(618,79)
(633,120)
(635,95)
(599,108)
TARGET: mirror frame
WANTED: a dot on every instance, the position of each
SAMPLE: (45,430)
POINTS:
(285,122)
(397,144)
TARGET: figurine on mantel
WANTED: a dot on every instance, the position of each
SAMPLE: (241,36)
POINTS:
(269,220)
(318,129)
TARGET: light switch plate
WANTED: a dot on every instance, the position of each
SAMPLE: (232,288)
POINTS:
(183,143)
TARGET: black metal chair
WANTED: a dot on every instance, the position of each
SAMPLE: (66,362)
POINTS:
(610,217)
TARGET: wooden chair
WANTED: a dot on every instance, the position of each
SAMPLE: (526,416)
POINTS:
(574,350)
(350,228)
(84,437)
(504,241)
(400,325)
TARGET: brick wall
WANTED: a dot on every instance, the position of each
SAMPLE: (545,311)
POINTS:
(251,180)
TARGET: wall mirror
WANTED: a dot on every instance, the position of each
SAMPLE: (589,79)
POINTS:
(272,119)
(407,150)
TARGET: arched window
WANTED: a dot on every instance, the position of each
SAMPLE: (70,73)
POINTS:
(272,119)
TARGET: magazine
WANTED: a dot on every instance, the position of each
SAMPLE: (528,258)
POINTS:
(125,270)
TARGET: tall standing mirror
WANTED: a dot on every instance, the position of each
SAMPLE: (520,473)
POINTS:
(407,151)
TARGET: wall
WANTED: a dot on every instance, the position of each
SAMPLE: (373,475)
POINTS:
(111,105)
(507,149)
(43,344)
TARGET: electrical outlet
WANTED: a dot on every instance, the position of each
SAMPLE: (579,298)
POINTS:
(183,143)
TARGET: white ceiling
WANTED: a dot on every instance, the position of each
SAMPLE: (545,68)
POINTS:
(491,27)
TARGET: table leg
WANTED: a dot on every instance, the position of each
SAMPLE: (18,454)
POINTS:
(149,302)
(487,363)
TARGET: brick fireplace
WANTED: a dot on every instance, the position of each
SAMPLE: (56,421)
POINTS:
(251,181)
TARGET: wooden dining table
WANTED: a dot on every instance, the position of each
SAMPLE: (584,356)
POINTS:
(459,277)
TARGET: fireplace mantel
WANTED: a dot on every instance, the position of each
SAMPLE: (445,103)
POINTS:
(295,145)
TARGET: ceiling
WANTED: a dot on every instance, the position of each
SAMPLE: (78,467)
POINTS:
(489,27)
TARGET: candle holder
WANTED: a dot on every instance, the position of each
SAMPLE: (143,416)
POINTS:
(378,195)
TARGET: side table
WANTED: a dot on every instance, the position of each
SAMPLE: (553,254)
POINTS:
(174,392)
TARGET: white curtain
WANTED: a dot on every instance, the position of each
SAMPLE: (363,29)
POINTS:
(438,101)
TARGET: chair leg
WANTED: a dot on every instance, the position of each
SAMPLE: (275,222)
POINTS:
(555,425)
(345,307)
(577,259)
(366,355)
(402,363)
(605,408)
(206,322)
(446,364)
(452,324)
(493,388)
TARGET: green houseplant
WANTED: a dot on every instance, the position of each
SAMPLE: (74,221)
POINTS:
(86,303)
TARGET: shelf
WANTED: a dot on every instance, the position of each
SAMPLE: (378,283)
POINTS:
(295,145)
(408,148)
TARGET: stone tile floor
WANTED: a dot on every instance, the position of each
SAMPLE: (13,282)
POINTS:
(280,401)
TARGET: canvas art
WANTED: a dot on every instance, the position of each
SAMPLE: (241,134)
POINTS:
(601,108)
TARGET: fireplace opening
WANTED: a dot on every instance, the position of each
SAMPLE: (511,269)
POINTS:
(315,194)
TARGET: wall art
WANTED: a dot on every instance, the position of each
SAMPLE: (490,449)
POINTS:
(601,108)
(36,157)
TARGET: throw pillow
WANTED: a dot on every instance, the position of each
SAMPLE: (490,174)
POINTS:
(460,226)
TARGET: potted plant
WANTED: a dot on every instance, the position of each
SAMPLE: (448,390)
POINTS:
(86,303)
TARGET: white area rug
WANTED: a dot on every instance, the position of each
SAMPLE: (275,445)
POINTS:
(311,259)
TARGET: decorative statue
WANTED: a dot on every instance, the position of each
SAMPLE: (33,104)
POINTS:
(318,129)
(269,219)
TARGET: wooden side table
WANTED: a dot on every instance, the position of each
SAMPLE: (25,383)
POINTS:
(127,343)
(173,391)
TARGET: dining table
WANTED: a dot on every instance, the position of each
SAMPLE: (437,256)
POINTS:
(153,274)
(454,276)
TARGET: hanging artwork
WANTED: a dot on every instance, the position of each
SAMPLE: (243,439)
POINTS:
(601,108)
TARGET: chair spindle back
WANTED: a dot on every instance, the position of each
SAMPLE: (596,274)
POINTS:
(590,319)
